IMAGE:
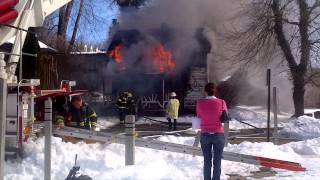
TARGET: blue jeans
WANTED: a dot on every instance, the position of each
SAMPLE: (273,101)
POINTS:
(212,144)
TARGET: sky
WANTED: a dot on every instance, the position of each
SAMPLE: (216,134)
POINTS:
(94,30)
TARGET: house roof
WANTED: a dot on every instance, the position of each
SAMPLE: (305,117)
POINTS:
(41,44)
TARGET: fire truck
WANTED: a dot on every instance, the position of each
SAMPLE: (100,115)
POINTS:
(21,101)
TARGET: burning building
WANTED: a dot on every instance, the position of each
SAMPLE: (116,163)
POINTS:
(151,67)
(152,53)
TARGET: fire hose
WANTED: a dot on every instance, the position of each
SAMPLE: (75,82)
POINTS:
(162,122)
(250,125)
(151,119)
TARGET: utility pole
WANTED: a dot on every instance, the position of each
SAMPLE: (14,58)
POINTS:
(130,140)
(163,94)
(269,103)
(48,138)
(275,116)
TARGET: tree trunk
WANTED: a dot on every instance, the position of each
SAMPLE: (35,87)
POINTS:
(66,19)
(64,16)
(76,25)
(298,91)
(298,71)
(60,27)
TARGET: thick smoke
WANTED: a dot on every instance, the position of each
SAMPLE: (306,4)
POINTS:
(181,19)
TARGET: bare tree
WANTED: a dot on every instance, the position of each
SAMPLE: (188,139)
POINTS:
(63,28)
(64,16)
(288,27)
(76,26)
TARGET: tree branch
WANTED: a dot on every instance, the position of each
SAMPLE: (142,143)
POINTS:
(303,30)
(315,5)
(76,25)
(282,41)
(290,22)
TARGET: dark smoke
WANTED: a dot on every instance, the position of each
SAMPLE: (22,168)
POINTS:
(175,24)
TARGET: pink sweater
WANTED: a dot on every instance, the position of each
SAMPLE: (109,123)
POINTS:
(209,111)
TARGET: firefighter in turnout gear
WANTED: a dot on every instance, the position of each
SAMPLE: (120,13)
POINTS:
(172,110)
(60,108)
(80,115)
(126,105)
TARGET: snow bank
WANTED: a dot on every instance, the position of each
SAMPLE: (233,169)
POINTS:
(103,162)
(254,115)
(304,127)
(305,152)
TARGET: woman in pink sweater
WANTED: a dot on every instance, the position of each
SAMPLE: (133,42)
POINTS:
(209,111)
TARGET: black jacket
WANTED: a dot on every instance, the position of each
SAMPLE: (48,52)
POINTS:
(85,117)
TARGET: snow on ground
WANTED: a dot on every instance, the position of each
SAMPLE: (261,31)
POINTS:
(304,127)
(254,115)
(103,162)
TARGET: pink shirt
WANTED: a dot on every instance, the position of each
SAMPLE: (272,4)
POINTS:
(209,111)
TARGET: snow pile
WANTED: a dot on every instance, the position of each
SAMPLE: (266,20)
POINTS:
(254,115)
(103,162)
(304,127)
(308,148)
(305,152)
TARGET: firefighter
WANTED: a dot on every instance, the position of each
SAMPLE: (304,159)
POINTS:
(80,115)
(58,119)
(126,105)
(172,110)
(59,110)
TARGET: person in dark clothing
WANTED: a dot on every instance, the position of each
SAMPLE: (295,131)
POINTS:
(126,105)
(59,110)
(80,115)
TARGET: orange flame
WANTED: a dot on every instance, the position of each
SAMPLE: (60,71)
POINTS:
(162,59)
(115,53)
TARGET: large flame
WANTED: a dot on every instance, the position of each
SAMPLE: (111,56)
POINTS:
(115,53)
(162,59)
